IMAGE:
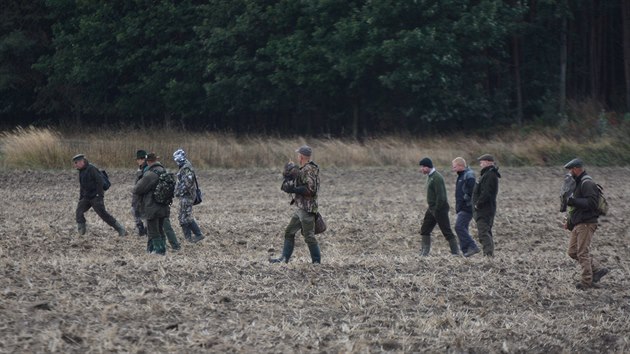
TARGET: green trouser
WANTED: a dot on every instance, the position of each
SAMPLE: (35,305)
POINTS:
(441,219)
(304,221)
(170,234)
(484,228)
(156,242)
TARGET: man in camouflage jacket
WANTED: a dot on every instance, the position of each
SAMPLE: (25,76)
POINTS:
(305,189)
(186,190)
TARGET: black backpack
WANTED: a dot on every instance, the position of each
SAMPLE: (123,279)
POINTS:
(106,182)
(165,188)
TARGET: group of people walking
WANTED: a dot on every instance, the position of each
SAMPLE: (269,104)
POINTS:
(475,198)
(144,206)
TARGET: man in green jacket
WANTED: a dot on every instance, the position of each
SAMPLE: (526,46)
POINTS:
(154,212)
(437,213)
(485,202)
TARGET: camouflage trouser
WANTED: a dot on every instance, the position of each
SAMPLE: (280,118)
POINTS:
(185,211)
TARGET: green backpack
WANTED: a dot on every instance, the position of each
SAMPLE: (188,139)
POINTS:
(602,203)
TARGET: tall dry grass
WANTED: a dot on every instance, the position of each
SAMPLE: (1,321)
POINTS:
(33,148)
(47,148)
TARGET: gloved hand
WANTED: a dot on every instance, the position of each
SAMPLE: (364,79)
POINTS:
(297,190)
(571,201)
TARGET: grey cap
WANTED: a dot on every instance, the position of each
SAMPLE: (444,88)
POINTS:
(78,157)
(486,157)
(574,163)
(305,150)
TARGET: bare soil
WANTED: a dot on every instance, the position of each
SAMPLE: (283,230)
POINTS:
(60,292)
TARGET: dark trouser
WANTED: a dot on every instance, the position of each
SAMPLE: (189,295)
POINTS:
(442,220)
(170,233)
(96,203)
(304,221)
(157,236)
(136,216)
(484,227)
(466,242)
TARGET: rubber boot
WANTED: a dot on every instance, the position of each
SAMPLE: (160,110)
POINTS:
(121,229)
(187,232)
(156,246)
(316,256)
(454,247)
(287,251)
(195,230)
(426,245)
(81,227)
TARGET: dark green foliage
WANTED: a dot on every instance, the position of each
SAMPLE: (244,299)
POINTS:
(309,67)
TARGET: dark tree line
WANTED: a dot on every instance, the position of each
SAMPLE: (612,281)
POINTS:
(314,67)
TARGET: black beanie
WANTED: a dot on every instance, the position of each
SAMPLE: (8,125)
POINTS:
(426,162)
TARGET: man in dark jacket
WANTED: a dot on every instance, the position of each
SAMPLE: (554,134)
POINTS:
(583,217)
(437,212)
(485,202)
(92,196)
(154,212)
(463,205)
(141,157)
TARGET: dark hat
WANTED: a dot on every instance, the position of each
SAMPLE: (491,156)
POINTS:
(426,162)
(152,156)
(486,157)
(141,154)
(78,157)
(305,150)
(574,163)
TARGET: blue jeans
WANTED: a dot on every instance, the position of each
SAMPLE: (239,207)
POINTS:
(466,242)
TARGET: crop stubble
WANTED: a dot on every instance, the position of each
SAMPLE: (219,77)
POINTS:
(65,293)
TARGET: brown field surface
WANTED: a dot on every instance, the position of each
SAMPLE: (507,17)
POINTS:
(101,293)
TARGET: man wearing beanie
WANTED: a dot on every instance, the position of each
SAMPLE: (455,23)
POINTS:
(437,213)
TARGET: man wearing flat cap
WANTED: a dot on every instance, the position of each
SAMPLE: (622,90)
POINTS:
(92,195)
(304,191)
(485,202)
(437,212)
(582,222)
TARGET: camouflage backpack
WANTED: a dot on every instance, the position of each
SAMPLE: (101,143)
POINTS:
(165,188)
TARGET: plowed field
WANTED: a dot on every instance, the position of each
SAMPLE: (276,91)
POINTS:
(60,292)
